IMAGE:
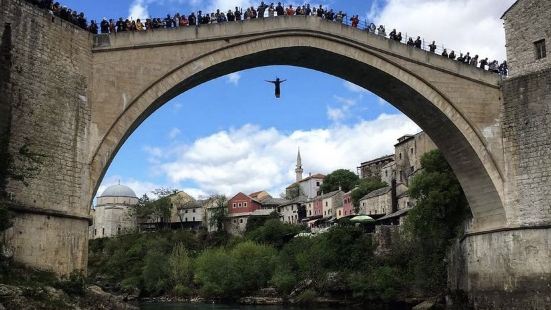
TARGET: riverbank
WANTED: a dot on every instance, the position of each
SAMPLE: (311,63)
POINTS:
(22,288)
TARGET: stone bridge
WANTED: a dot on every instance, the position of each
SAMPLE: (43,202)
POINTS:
(76,98)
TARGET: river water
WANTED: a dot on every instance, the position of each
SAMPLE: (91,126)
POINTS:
(229,307)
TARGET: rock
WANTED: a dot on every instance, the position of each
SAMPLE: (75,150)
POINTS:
(54,293)
(255,300)
(97,298)
(425,305)
(197,300)
(8,290)
(267,292)
(299,288)
(132,294)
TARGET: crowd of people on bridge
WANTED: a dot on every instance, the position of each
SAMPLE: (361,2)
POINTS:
(264,10)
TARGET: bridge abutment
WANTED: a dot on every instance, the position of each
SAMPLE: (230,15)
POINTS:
(503,269)
(66,108)
(46,64)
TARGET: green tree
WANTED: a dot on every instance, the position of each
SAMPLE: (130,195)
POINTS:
(156,275)
(158,209)
(215,272)
(365,186)
(343,178)
(439,213)
(180,266)
(273,232)
(218,212)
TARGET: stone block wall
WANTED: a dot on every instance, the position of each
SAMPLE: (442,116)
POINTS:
(508,269)
(525,23)
(47,93)
(527,147)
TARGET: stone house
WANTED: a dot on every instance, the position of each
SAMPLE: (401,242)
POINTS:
(408,153)
(374,167)
(347,207)
(527,33)
(294,211)
(381,202)
(330,202)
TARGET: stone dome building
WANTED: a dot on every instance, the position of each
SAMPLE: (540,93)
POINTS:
(113,214)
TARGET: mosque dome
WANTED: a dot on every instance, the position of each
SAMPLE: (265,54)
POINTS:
(118,190)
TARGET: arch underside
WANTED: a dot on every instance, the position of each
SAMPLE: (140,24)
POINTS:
(459,150)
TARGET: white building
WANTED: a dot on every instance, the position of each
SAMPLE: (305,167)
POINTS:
(114,214)
(308,186)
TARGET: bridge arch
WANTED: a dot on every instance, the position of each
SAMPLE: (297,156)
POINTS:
(457,105)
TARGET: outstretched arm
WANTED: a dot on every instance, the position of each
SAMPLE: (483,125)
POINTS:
(282,81)
(273,82)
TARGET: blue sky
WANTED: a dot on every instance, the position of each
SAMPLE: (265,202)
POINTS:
(231,134)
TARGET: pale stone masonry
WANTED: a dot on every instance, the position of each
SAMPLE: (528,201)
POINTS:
(70,100)
(526,24)
(48,90)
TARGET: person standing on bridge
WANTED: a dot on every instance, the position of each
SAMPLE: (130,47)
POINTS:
(432,47)
(277,84)
(280,10)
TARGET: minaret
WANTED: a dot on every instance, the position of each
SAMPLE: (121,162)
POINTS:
(299,170)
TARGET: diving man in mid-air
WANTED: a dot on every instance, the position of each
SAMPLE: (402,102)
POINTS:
(277,84)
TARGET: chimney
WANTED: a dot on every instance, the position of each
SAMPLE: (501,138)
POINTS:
(393,198)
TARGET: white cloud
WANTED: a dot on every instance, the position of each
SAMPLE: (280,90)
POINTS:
(343,110)
(225,5)
(336,114)
(251,158)
(174,132)
(138,9)
(460,25)
(233,78)
(354,88)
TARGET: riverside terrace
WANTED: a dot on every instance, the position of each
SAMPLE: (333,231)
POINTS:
(196,19)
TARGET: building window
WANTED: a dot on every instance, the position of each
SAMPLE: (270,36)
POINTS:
(234,221)
(186,211)
(185,219)
(193,210)
(244,204)
(241,221)
(400,155)
(541,52)
(317,183)
(326,203)
(234,205)
(103,231)
(95,231)
(411,150)
(239,205)
(194,218)
(339,212)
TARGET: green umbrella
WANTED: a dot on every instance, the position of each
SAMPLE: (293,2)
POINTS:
(362,218)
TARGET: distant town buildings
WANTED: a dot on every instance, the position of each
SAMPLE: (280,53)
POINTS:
(304,204)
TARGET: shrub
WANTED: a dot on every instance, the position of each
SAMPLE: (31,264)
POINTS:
(180,266)
(307,297)
(155,273)
(284,281)
(74,284)
(181,291)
